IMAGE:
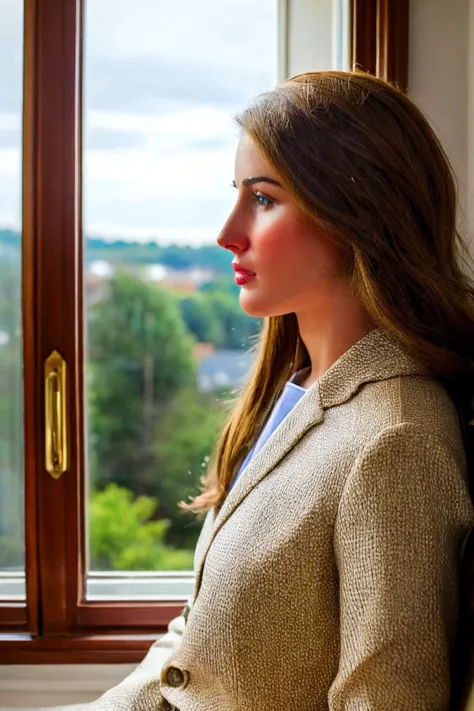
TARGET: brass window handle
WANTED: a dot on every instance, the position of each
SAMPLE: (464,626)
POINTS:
(56,449)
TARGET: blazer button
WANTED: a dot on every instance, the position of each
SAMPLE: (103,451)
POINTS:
(175,676)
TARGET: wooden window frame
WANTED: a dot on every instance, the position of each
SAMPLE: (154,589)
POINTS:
(56,625)
(380,39)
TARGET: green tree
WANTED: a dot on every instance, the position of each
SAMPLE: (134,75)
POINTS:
(222,284)
(201,319)
(140,354)
(122,536)
(214,314)
(185,438)
(239,328)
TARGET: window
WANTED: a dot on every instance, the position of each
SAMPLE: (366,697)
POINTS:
(120,331)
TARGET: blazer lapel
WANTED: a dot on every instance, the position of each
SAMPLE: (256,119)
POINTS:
(307,413)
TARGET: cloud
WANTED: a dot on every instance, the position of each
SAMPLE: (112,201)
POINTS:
(157,56)
(190,123)
(157,84)
(161,191)
(161,83)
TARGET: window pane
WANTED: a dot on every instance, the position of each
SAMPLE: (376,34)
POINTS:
(166,339)
(12,559)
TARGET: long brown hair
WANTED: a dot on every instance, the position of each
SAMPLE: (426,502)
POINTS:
(361,161)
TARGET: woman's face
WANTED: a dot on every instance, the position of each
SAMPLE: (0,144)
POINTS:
(293,266)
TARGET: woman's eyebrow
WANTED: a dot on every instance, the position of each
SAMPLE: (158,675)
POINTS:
(259,179)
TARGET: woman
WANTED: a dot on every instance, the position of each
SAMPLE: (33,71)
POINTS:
(337,499)
(327,567)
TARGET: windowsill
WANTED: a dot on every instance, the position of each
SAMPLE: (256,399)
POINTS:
(115,648)
(114,586)
(49,684)
(146,586)
(117,624)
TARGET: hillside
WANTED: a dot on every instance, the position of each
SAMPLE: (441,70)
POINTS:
(124,252)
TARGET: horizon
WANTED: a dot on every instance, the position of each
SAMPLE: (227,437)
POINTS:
(127,239)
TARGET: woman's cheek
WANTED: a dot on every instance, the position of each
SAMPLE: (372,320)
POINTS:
(276,241)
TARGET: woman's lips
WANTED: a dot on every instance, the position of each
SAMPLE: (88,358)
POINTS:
(242,276)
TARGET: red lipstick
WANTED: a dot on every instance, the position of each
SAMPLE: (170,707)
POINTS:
(242,276)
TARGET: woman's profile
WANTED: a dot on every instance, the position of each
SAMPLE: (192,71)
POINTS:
(337,499)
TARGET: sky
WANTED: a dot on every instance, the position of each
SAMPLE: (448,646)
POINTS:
(162,81)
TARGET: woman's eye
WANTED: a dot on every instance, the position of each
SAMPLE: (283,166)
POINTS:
(262,200)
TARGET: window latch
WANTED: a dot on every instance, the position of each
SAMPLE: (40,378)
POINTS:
(56,449)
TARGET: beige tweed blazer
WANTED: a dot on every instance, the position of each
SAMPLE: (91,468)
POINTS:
(329,579)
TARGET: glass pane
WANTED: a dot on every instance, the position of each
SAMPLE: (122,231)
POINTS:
(166,339)
(12,558)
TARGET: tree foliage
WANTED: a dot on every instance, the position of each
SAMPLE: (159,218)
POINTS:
(185,438)
(213,314)
(122,536)
(140,354)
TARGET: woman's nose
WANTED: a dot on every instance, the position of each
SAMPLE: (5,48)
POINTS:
(232,240)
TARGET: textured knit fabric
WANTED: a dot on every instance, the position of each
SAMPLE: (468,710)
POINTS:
(285,403)
(329,579)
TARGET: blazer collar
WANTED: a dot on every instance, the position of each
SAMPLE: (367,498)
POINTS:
(376,356)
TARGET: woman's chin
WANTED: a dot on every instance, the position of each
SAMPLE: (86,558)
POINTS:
(252,305)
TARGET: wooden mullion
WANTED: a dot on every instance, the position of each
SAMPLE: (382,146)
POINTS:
(364,39)
(380,39)
(392,41)
(56,204)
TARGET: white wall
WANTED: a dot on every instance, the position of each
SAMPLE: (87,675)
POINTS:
(441,75)
(310,37)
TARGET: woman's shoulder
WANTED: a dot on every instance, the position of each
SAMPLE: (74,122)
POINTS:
(412,421)
(409,445)
(417,400)
(396,415)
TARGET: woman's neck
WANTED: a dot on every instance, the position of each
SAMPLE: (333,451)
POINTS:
(328,338)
